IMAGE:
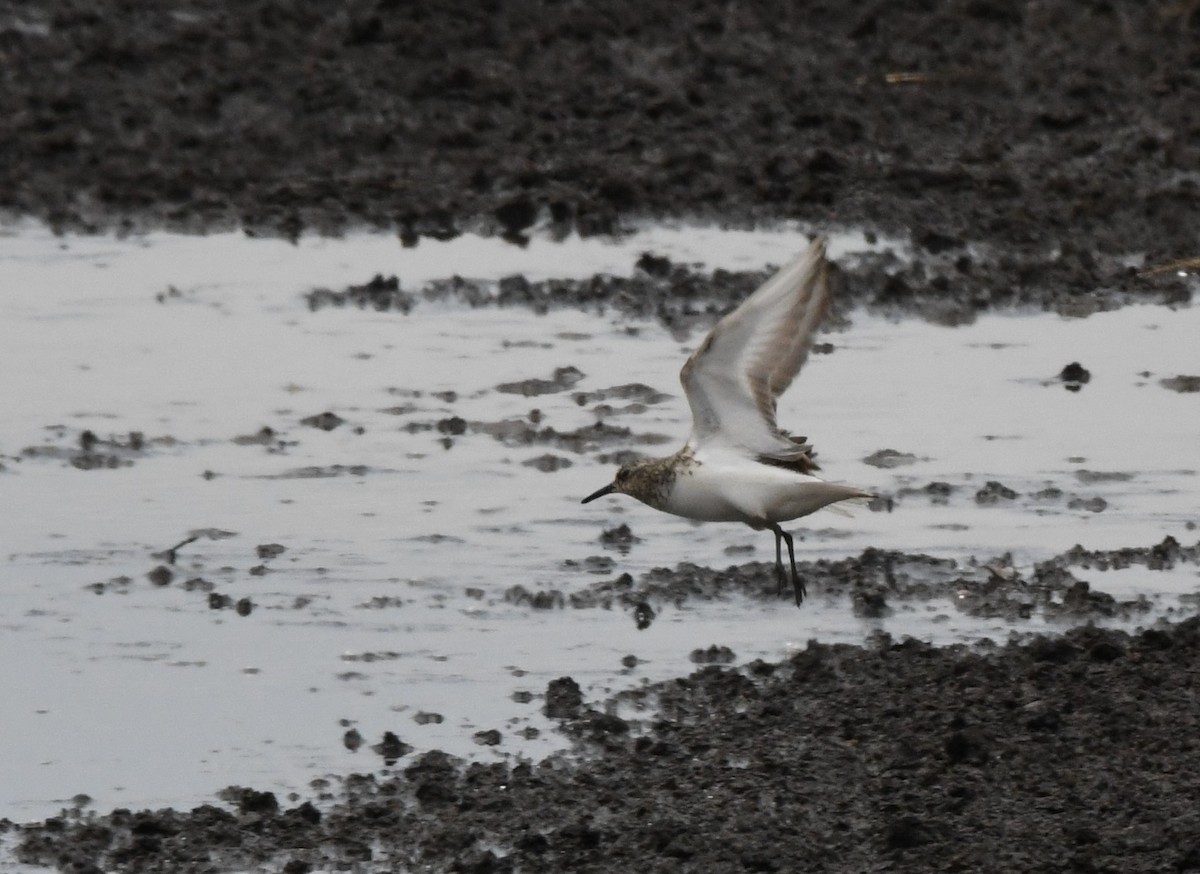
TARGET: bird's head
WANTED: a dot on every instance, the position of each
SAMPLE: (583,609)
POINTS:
(616,487)
(636,479)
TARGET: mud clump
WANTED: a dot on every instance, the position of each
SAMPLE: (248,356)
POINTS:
(889,458)
(563,379)
(326,421)
(267,551)
(379,294)
(713,655)
(93,452)
(1092,505)
(993,493)
(621,538)
(1182,384)
(548,463)
(391,748)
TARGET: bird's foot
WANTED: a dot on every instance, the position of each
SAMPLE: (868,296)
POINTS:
(799,589)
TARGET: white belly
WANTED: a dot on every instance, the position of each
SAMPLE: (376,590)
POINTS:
(750,492)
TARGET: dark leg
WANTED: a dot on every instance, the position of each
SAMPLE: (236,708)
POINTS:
(781,537)
(778,559)
(797,583)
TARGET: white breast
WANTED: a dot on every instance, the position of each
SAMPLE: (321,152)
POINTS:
(739,489)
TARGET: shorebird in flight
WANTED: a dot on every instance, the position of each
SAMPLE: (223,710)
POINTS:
(738,465)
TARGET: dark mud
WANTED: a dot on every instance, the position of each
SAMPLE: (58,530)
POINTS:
(89,451)
(1068,588)
(685,299)
(1023,151)
(1070,753)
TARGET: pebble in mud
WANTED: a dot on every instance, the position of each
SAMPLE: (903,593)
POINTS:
(452,425)
(326,421)
(391,748)
(563,698)
(654,265)
(160,576)
(620,538)
(218,601)
(939,492)
(643,615)
(1074,376)
(267,437)
(269,550)
(489,738)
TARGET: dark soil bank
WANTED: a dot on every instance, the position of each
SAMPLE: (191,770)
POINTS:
(1061,135)
(1078,753)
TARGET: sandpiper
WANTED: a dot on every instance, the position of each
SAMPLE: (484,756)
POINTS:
(738,465)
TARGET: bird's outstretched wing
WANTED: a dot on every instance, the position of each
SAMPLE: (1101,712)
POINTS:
(752,355)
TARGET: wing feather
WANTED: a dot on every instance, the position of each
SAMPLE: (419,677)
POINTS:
(752,355)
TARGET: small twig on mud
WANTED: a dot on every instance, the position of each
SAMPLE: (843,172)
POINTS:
(911,78)
(168,555)
(1183,264)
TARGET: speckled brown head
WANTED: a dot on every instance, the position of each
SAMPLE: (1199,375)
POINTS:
(648,479)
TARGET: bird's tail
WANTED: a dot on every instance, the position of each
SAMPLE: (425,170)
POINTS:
(846,506)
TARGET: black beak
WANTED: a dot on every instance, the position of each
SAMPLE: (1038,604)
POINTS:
(600,493)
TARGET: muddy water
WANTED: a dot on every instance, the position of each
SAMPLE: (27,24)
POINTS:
(357,572)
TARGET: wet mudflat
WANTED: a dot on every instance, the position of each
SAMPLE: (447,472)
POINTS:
(266,535)
(390,576)
(1076,752)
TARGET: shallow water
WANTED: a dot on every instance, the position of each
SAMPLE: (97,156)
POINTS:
(400,540)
